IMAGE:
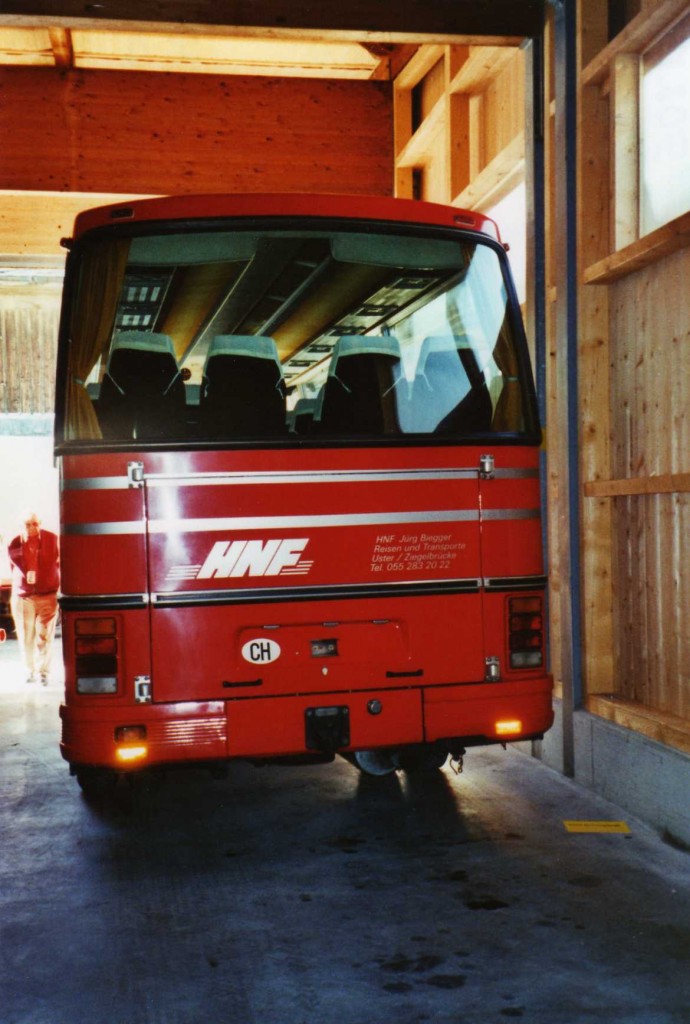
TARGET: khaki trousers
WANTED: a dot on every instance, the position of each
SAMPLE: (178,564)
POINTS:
(35,618)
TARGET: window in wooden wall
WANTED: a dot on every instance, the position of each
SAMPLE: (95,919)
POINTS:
(665,133)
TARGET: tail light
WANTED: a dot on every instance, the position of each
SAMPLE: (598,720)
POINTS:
(95,655)
(526,632)
(131,742)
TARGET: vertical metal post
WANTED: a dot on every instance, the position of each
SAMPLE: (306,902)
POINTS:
(567,442)
(535,180)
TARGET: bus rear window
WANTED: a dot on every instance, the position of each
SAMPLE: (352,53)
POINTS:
(284,335)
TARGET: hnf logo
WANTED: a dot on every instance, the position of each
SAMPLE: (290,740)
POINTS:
(256,558)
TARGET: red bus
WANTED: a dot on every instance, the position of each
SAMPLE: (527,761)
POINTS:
(300,499)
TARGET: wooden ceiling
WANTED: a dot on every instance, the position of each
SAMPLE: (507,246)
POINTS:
(363,39)
(201,53)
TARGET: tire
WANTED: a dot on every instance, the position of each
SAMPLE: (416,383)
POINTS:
(374,762)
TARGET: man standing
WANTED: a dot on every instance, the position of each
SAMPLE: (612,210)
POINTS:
(35,582)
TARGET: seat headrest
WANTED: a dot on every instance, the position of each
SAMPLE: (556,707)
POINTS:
(362,344)
(437,344)
(253,346)
(142,341)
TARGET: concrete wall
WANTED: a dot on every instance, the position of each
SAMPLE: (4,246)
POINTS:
(649,780)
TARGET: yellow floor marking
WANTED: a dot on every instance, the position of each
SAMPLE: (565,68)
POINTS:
(596,826)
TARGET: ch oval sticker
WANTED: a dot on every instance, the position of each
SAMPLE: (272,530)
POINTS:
(261,651)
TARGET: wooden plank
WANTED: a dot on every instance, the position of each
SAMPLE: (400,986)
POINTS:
(481,66)
(668,483)
(459,144)
(665,240)
(26,46)
(503,107)
(625,112)
(406,18)
(86,131)
(593,22)
(421,147)
(477,141)
(594,384)
(63,52)
(423,61)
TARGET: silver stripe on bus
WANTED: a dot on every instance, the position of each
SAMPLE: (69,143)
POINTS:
(516,474)
(287,593)
(286,477)
(307,477)
(272,522)
(96,483)
(493,514)
(117,483)
(207,525)
(102,529)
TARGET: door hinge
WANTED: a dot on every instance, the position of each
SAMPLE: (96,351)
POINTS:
(487,467)
(135,474)
(492,672)
(142,690)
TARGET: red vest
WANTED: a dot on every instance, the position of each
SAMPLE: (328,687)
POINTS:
(47,569)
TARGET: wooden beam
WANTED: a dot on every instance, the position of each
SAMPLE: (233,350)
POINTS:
(625,142)
(63,53)
(84,131)
(402,21)
(665,483)
(421,147)
(594,387)
(483,65)
(665,240)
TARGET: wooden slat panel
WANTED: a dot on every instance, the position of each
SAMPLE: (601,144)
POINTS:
(650,360)
(28,344)
(653,586)
(97,131)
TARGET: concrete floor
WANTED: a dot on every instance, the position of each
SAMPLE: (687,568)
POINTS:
(320,896)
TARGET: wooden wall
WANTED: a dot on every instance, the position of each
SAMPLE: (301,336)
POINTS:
(650,416)
(28,337)
(467,147)
(634,370)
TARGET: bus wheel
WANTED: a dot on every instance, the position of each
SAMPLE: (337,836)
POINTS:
(374,762)
(96,782)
